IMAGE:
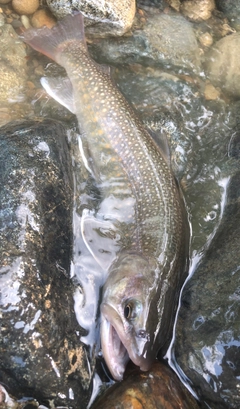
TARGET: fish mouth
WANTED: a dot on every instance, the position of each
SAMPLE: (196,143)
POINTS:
(118,345)
(114,352)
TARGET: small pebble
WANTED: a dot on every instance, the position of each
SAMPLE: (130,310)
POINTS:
(15,15)
(25,22)
(175,4)
(30,85)
(197,10)
(25,6)
(2,20)
(43,18)
(206,39)
(16,23)
(210,92)
(8,12)
(39,70)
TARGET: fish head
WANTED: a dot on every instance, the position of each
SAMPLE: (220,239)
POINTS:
(128,320)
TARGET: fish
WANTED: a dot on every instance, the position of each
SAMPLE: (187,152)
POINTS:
(139,234)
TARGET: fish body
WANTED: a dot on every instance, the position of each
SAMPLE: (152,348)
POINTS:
(139,233)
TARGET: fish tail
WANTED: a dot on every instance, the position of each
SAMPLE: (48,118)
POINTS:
(47,40)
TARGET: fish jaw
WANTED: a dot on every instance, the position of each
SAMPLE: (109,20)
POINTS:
(120,343)
(114,352)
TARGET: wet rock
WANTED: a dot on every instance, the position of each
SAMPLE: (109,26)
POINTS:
(41,355)
(25,6)
(42,18)
(211,92)
(207,346)
(159,388)
(206,39)
(197,10)
(2,20)
(175,4)
(6,402)
(231,9)
(26,22)
(12,66)
(223,65)
(159,4)
(165,40)
(105,17)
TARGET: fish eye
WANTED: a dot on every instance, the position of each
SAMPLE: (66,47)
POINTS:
(128,311)
(132,309)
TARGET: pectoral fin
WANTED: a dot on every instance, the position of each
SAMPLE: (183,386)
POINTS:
(61,90)
(162,143)
(101,238)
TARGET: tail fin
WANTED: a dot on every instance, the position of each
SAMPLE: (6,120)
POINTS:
(47,40)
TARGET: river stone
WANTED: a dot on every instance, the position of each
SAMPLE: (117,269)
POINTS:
(160,4)
(158,388)
(104,17)
(41,355)
(165,41)
(207,346)
(12,66)
(231,8)
(223,64)
(197,10)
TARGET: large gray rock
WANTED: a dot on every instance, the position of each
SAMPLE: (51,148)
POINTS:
(165,40)
(112,17)
(40,352)
(12,66)
(223,64)
(207,345)
(231,9)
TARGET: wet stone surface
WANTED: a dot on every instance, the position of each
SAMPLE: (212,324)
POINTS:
(158,388)
(105,17)
(40,351)
(231,8)
(12,65)
(167,40)
(222,65)
(208,336)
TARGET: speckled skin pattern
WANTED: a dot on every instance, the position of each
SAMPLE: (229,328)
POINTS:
(140,195)
(133,165)
(129,167)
